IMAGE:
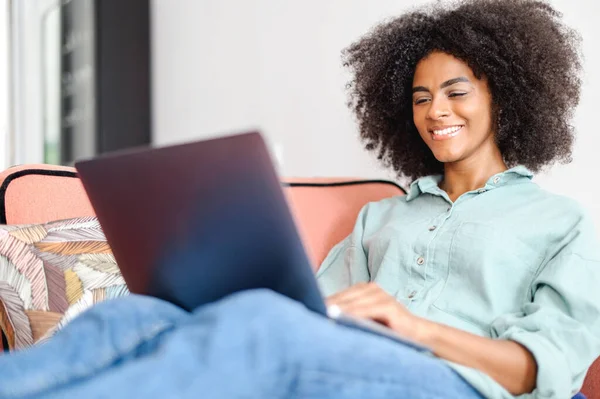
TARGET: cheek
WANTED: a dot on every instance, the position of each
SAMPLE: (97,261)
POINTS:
(478,117)
(483,123)
(419,117)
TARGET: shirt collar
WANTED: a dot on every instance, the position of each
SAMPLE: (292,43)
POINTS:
(430,184)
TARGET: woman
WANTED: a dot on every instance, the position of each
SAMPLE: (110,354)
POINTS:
(495,275)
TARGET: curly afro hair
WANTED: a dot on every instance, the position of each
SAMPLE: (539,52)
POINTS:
(529,58)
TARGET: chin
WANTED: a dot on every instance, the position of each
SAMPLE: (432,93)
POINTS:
(447,158)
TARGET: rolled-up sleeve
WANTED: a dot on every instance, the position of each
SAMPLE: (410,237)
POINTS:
(560,325)
(346,264)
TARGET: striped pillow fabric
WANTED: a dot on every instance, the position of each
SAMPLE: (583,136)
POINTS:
(49,273)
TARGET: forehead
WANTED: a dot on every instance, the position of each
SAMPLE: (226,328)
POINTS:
(439,67)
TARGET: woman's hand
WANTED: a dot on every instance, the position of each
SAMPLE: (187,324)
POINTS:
(369,301)
(508,362)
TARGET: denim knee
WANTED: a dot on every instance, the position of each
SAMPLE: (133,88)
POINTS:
(268,319)
(265,304)
(259,296)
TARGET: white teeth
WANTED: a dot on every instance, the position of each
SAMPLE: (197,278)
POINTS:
(449,130)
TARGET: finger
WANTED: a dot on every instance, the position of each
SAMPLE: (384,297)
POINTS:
(363,296)
(367,299)
(381,313)
(357,293)
(347,295)
(366,302)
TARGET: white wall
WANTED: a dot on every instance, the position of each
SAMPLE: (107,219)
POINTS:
(581,178)
(225,65)
(222,65)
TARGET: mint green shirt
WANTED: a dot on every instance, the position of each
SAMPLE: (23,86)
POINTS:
(507,261)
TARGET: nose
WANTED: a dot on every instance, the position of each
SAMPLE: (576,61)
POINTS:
(439,108)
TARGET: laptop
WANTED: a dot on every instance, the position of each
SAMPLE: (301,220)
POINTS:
(193,223)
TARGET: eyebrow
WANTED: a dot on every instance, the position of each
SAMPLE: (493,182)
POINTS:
(447,83)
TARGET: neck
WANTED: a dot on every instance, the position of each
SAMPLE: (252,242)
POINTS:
(471,173)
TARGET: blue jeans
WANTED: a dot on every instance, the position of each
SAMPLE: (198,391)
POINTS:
(254,344)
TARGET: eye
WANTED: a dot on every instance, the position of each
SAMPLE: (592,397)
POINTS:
(457,94)
(421,101)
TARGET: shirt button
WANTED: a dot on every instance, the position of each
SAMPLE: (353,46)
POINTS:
(432,228)
(412,295)
(420,260)
(496,180)
(481,191)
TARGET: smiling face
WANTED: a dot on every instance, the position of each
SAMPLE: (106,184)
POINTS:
(452,110)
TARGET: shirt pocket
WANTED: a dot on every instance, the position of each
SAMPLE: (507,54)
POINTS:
(488,274)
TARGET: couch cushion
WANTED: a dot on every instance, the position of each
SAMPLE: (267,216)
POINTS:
(51,272)
(326,209)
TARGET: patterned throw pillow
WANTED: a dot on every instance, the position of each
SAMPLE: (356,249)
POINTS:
(50,273)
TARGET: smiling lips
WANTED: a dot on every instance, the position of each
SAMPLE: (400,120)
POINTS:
(445,133)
